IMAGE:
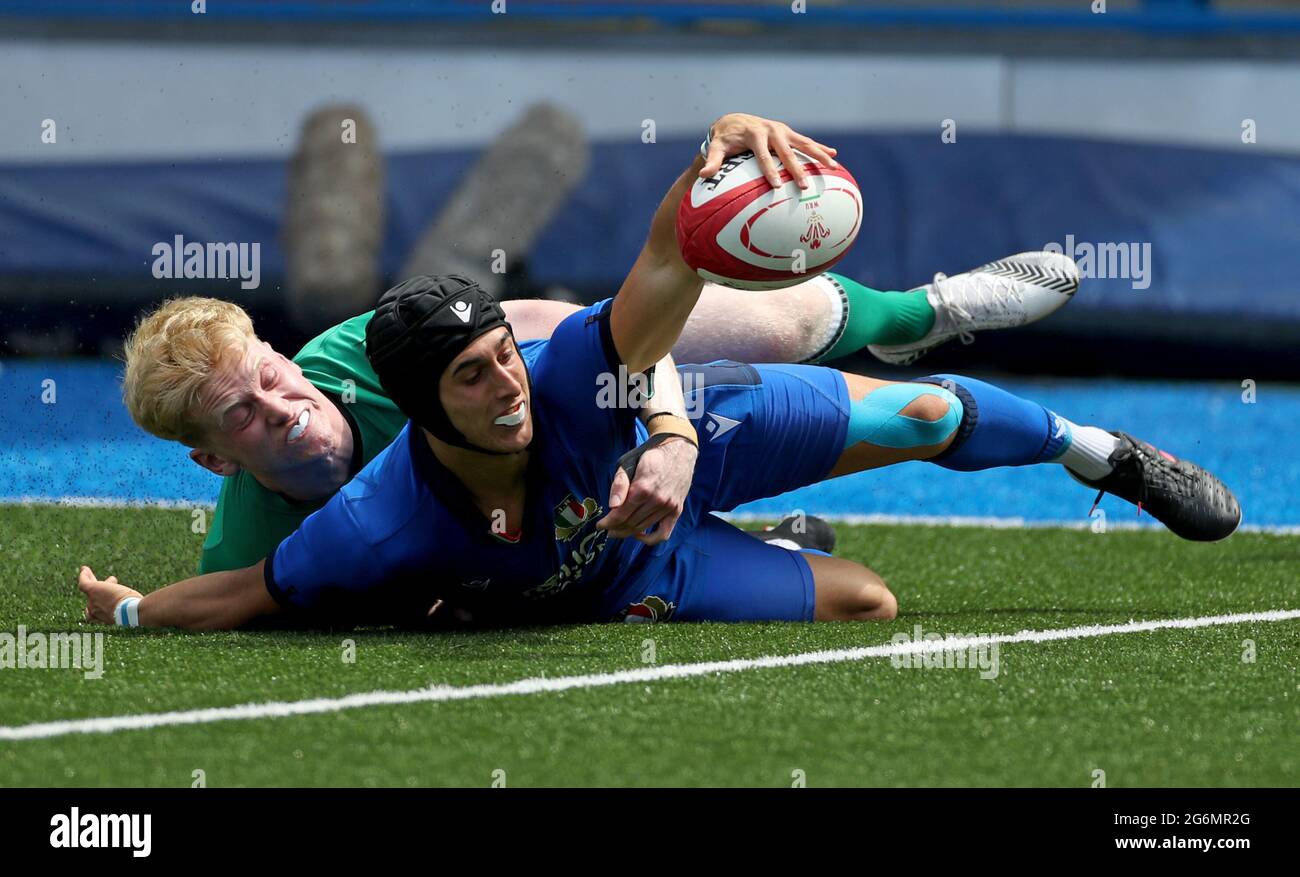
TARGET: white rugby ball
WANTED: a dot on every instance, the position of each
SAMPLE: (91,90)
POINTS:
(735,229)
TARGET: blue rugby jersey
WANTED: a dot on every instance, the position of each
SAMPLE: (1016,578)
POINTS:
(405,532)
(405,522)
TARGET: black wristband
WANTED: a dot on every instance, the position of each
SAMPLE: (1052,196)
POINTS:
(628,461)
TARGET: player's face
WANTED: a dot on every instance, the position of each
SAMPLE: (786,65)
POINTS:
(263,415)
(485,393)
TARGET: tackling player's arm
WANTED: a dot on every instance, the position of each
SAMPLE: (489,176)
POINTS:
(661,289)
(329,555)
(216,601)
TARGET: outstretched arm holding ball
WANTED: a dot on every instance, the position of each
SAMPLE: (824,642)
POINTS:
(661,289)
(735,133)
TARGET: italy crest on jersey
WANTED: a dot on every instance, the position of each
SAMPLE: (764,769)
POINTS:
(649,611)
(570,515)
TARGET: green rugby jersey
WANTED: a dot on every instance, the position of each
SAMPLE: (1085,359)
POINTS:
(250,520)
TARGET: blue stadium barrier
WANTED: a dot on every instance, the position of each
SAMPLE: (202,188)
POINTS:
(1221,227)
(1170,17)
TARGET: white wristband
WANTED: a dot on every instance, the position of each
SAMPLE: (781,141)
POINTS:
(127,613)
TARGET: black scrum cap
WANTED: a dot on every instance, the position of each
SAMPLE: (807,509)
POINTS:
(419,327)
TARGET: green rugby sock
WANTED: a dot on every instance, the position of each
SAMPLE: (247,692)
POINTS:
(880,317)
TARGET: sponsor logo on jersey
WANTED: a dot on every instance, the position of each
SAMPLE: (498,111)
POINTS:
(648,611)
(719,425)
(570,515)
(572,569)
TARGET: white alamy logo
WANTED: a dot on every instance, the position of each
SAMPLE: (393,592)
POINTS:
(982,656)
(77,830)
(208,261)
(1110,260)
(52,651)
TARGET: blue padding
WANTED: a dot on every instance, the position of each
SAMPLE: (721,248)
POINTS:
(1221,225)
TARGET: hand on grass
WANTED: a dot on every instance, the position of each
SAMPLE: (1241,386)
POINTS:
(102,597)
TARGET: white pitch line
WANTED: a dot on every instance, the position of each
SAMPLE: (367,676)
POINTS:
(542,685)
(995,523)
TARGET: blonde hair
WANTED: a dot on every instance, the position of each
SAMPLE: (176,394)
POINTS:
(171,354)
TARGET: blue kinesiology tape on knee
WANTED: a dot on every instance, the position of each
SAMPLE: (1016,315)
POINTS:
(1002,429)
(876,418)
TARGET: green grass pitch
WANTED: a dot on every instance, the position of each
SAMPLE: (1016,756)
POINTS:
(1174,707)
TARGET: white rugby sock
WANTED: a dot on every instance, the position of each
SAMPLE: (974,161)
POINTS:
(1088,453)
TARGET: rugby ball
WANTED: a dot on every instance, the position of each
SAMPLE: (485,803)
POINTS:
(735,229)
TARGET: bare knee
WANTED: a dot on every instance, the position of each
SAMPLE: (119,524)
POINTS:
(874,601)
(888,608)
(848,591)
(927,407)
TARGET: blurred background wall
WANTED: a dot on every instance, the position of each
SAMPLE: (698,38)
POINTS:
(1163,131)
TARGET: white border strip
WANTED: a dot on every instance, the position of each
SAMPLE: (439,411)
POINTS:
(542,685)
(106,502)
(990,523)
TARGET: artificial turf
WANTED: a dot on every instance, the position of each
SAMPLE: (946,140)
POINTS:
(1172,707)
